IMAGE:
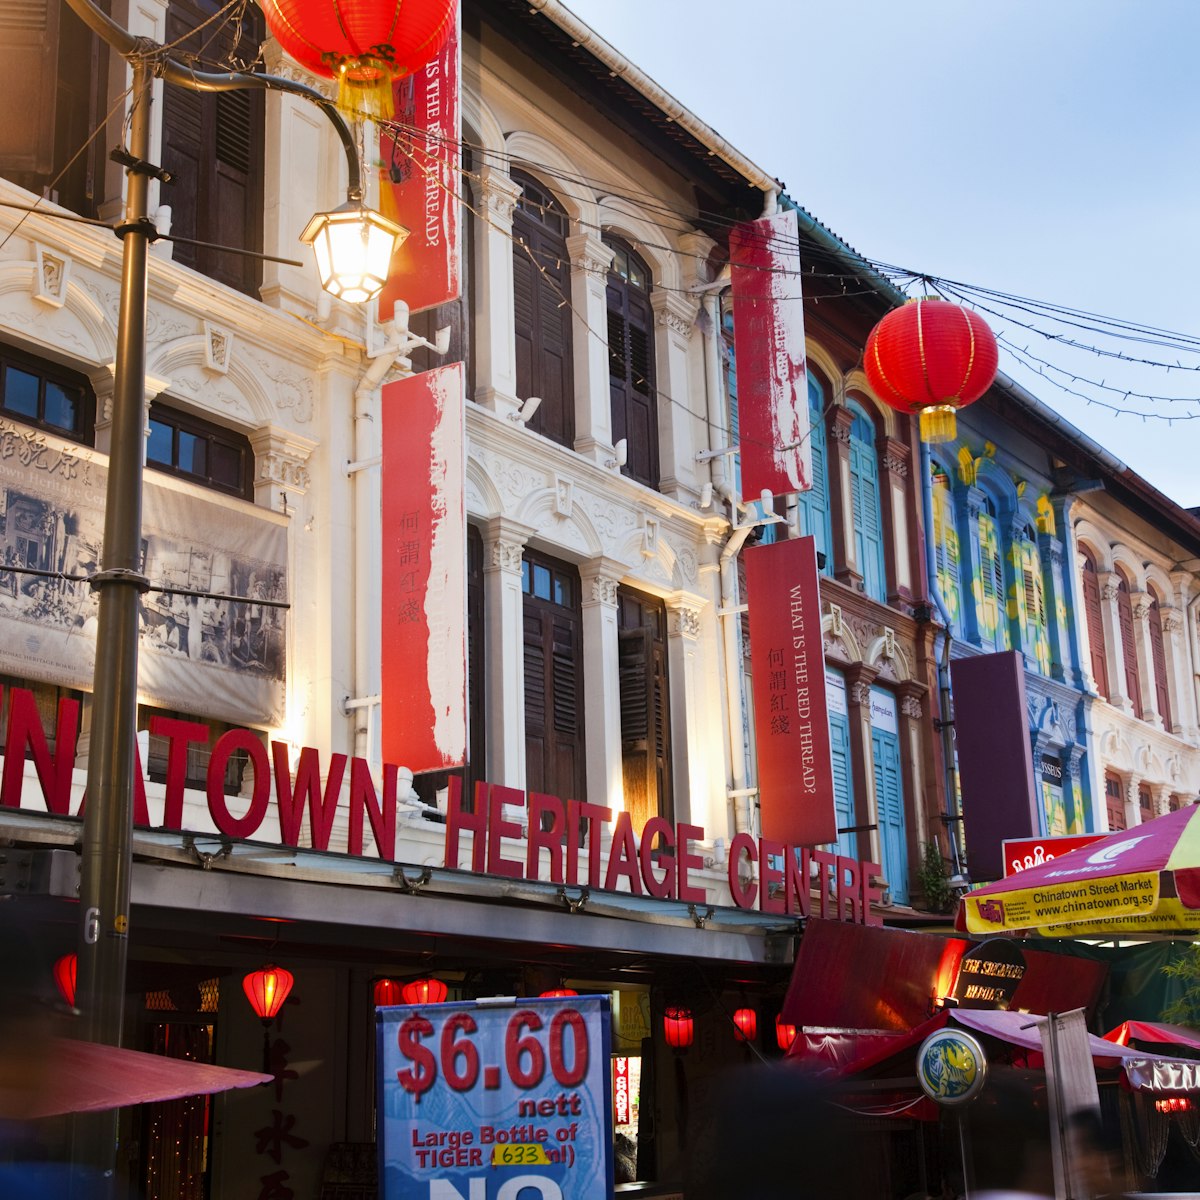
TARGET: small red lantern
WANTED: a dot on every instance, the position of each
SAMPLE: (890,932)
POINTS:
(65,971)
(387,993)
(267,990)
(745,1022)
(785,1034)
(931,357)
(364,44)
(424,991)
(558,993)
(677,1027)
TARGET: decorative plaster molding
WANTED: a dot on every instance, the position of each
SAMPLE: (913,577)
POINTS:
(1110,585)
(649,537)
(1140,604)
(500,195)
(674,311)
(589,254)
(506,556)
(293,390)
(889,642)
(604,590)
(1172,620)
(911,707)
(685,621)
(51,278)
(835,620)
(281,459)
(218,348)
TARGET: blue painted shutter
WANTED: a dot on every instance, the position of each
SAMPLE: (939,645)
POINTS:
(945,540)
(814,504)
(868,519)
(889,797)
(843,785)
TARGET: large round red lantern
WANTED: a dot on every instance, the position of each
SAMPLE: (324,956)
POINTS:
(677,1027)
(424,991)
(785,1034)
(931,357)
(364,44)
(559,993)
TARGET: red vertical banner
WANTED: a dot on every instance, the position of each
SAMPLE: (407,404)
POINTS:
(420,182)
(423,657)
(768,333)
(791,718)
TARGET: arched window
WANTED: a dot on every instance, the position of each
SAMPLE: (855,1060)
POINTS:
(631,362)
(1034,633)
(945,545)
(1114,799)
(1145,803)
(1095,621)
(864,497)
(990,593)
(814,504)
(541,284)
(1133,677)
(1162,692)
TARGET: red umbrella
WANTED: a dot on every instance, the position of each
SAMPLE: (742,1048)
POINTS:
(1141,880)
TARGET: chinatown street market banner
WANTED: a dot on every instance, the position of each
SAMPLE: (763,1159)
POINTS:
(423,654)
(195,654)
(768,342)
(495,1100)
(421,186)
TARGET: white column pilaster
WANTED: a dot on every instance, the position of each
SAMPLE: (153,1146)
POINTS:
(495,319)
(690,780)
(1114,647)
(678,436)
(590,259)
(1140,605)
(602,683)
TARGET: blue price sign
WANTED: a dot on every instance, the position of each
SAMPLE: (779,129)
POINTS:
(495,1101)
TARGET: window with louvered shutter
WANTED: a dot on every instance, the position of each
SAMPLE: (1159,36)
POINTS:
(1162,692)
(1095,621)
(553,657)
(213,147)
(29,33)
(1133,677)
(814,504)
(945,547)
(1114,799)
(868,516)
(993,607)
(541,295)
(1145,803)
(645,706)
(1035,634)
(631,362)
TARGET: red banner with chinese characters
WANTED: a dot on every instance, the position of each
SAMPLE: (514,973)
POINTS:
(768,332)
(420,182)
(424,573)
(791,718)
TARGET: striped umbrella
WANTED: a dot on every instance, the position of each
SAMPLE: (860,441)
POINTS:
(1141,880)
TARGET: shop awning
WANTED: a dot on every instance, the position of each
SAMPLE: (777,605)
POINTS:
(88,1077)
(1131,1033)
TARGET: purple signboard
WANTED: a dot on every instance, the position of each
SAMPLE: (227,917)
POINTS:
(485,1100)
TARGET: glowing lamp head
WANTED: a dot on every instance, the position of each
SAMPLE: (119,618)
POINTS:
(267,990)
(353,246)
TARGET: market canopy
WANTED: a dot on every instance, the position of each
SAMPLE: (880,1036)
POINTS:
(88,1077)
(1143,880)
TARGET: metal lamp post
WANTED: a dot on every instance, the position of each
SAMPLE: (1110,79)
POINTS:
(106,864)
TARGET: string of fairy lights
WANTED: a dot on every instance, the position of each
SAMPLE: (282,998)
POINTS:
(1067,337)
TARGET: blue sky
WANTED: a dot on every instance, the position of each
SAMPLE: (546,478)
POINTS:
(1049,149)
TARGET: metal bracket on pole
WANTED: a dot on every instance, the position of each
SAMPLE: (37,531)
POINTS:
(203,857)
(701,918)
(410,887)
(574,904)
(119,575)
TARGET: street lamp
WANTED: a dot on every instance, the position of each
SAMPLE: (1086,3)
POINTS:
(107,849)
(354,247)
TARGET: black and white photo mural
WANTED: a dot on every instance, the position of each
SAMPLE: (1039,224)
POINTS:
(221,657)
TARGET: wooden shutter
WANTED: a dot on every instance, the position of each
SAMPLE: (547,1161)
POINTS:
(212,145)
(29,32)
(1162,692)
(868,519)
(814,504)
(645,706)
(1114,799)
(945,542)
(889,797)
(1145,803)
(843,782)
(1095,623)
(631,377)
(994,617)
(1133,677)
(541,292)
(1033,597)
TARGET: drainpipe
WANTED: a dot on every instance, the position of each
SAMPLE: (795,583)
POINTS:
(368,452)
(945,701)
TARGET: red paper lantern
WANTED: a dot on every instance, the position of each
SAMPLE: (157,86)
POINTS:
(424,991)
(931,357)
(558,993)
(65,971)
(745,1024)
(785,1034)
(364,44)
(267,990)
(387,993)
(677,1027)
